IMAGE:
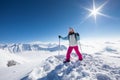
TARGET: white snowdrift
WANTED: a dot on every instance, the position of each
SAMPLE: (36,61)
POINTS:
(91,68)
(6,56)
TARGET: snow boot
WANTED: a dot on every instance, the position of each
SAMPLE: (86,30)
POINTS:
(66,61)
(80,59)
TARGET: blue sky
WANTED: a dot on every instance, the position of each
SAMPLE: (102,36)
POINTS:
(44,20)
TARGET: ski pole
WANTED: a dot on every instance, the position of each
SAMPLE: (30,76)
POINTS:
(80,45)
(59,47)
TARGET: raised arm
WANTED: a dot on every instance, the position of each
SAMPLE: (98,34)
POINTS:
(64,38)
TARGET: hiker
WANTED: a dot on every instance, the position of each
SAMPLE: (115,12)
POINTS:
(73,44)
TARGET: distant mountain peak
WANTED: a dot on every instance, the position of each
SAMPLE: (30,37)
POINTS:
(39,46)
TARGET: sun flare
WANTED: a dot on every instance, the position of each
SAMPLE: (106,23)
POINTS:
(95,11)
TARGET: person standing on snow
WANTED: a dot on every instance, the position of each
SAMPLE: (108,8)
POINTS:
(73,44)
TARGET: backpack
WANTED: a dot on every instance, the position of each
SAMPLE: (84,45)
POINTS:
(76,34)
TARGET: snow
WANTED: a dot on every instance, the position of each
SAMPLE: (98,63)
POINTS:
(6,56)
(23,47)
(101,61)
(91,68)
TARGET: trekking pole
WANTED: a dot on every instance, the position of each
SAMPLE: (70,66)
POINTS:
(59,47)
(80,45)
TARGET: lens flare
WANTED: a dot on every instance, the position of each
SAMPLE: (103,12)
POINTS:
(95,11)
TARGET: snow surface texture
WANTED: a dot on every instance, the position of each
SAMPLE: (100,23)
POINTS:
(91,68)
(101,62)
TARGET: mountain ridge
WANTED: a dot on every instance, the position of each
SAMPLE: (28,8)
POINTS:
(22,47)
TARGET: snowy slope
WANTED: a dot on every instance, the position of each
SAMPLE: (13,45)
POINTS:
(101,62)
(28,61)
(91,68)
(6,56)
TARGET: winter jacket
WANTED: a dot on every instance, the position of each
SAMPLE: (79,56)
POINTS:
(73,38)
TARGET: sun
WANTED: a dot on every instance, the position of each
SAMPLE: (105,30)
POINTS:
(95,11)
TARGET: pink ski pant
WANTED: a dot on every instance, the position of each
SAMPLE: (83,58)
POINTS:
(70,50)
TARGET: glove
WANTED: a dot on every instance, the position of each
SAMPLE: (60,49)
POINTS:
(59,36)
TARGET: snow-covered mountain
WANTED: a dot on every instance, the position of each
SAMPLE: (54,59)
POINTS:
(91,68)
(101,61)
(16,48)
